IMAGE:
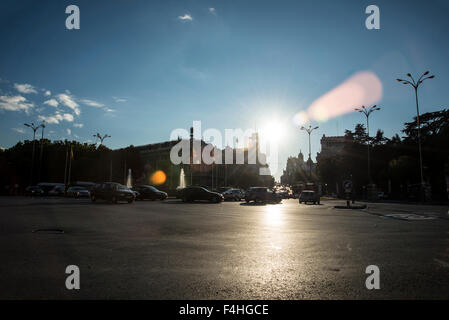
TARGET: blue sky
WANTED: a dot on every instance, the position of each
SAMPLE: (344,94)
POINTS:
(136,70)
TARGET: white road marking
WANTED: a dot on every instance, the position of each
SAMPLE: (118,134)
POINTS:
(409,216)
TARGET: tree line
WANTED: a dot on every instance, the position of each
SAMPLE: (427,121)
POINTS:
(71,161)
(87,162)
(394,162)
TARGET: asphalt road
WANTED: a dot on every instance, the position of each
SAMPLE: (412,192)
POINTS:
(173,250)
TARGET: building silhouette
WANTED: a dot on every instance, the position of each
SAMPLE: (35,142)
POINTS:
(157,157)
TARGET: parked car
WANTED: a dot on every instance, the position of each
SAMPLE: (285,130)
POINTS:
(381,195)
(309,196)
(113,192)
(233,194)
(262,194)
(77,192)
(47,187)
(223,189)
(200,193)
(136,193)
(34,191)
(179,192)
(149,192)
(57,191)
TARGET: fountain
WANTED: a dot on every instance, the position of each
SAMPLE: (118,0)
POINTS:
(129,179)
(182,179)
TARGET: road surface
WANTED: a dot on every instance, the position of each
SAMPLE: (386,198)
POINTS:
(232,250)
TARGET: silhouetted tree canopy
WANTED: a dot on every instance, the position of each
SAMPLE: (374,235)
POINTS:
(395,161)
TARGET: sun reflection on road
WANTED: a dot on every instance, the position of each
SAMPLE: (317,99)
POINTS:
(273,216)
(266,259)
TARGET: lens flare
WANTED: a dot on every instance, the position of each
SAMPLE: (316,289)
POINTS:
(301,118)
(158,177)
(363,88)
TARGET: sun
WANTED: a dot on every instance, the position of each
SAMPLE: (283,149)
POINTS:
(273,131)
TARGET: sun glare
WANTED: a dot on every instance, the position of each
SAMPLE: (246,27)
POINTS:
(273,131)
(273,216)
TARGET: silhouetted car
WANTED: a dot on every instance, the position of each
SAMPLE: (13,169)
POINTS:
(285,193)
(34,191)
(233,194)
(113,192)
(49,186)
(200,193)
(136,193)
(77,192)
(309,196)
(223,189)
(262,194)
(179,192)
(149,192)
(382,196)
(57,191)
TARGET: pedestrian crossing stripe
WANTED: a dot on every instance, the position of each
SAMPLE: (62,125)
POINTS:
(406,216)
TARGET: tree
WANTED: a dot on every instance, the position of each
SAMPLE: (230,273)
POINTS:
(360,135)
(394,162)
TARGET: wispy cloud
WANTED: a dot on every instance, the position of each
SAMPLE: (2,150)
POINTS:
(67,100)
(19,130)
(52,102)
(15,103)
(78,125)
(185,17)
(47,93)
(212,10)
(69,132)
(91,103)
(97,104)
(24,88)
(56,118)
(119,99)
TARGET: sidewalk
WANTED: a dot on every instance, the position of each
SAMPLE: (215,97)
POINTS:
(407,211)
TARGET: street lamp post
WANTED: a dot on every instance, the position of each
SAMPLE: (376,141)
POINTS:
(367,111)
(34,128)
(415,84)
(41,150)
(309,131)
(102,138)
